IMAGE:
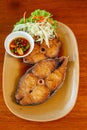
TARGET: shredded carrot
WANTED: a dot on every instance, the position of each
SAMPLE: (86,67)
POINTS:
(24,16)
(39,18)
(50,21)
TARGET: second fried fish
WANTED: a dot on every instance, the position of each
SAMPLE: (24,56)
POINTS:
(42,51)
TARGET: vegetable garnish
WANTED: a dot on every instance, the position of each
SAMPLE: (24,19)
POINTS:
(24,17)
(19,46)
(40,25)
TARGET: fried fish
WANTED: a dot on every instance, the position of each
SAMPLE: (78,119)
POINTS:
(41,81)
(42,51)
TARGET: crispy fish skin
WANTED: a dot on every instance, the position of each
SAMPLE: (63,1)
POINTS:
(42,51)
(37,96)
(35,56)
(30,91)
(26,85)
(56,78)
(44,68)
(36,86)
(54,48)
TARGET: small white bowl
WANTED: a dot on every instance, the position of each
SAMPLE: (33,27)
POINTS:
(17,34)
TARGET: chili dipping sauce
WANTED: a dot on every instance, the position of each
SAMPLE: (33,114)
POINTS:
(19,46)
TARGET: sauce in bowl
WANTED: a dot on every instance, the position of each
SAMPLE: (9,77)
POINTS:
(19,46)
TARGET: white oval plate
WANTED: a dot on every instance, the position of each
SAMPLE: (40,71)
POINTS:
(63,101)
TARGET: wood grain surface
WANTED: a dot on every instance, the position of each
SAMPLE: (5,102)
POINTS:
(74,14)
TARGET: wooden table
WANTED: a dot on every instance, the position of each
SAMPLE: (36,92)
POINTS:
(74,14)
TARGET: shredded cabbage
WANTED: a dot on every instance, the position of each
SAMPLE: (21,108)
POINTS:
(40,31)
